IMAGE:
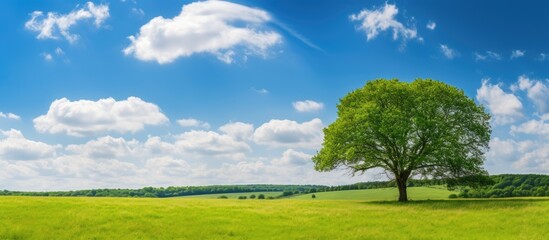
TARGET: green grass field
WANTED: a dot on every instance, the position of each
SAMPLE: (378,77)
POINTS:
(235,195)
(191,218)
(381,194)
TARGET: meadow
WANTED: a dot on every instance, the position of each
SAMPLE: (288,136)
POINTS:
(235,195)
(381,194)
(199,218)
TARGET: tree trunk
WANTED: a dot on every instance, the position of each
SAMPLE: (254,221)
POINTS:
(402,194)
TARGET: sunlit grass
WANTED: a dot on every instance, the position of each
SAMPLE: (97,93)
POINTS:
(381,194)
(184,218)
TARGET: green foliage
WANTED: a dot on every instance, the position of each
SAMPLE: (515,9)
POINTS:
(453,195)
(222,197)
(261,196)
(313,195)
(511,185)
(242,197)
(425,128)
(161,192)
(142,218)
(252,196)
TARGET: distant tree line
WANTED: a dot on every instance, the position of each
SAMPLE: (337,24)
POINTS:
(160,192)
(511,185)
(505,185)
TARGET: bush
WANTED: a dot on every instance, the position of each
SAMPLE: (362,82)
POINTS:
(252,196)
(270,197)
(242,197)
(313,196)
(260,196)
(222,197)
(453,195)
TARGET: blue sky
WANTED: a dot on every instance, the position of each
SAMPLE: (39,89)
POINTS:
(136,93)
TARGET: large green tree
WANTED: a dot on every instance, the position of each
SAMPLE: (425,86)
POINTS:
(423,128)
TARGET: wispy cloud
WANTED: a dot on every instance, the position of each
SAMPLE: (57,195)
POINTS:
(448,52)
(52,24)
(517,53)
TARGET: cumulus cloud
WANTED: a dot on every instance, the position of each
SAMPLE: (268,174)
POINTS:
(215,27)
(505,107)
(533,126)
(536,160)
(517,53)
(85,117)
(14,146)
(9,116)
(536,90)
(487,56)
(293,157)
(382,19)
(431,25)
(106,147)
(448,52)
(287,133)
(191,122)
(307,106)
(238,130)
(54,25)
(211,144)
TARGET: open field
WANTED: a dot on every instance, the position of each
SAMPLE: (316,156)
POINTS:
(381,194)
(184,218)
(234,195)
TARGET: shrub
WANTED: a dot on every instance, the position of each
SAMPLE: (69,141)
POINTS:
(242,197)
(313,196)
(453,195)
(252,196)
(260,196)
(222,197)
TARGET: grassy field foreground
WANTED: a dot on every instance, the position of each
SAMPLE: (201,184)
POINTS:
(182,218)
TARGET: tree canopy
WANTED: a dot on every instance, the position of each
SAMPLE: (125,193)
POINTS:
(425,128)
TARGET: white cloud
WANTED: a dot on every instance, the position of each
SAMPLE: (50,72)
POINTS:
(533,126)
(448,52)
(517,53)
(431,25)
(535,160)
(238,130)
(211,144)
(85,117)
(48,57)
(9,116)
(53,24)
(14,146)
(168,166)
(105,148)
(287,133)
(59,51)
(215,27)
(487,56)
(138,11)
(293,157)
(542,57)
(536,90)
(375,21)
(191,122)
(260,91)
(505,107)
(307,106)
